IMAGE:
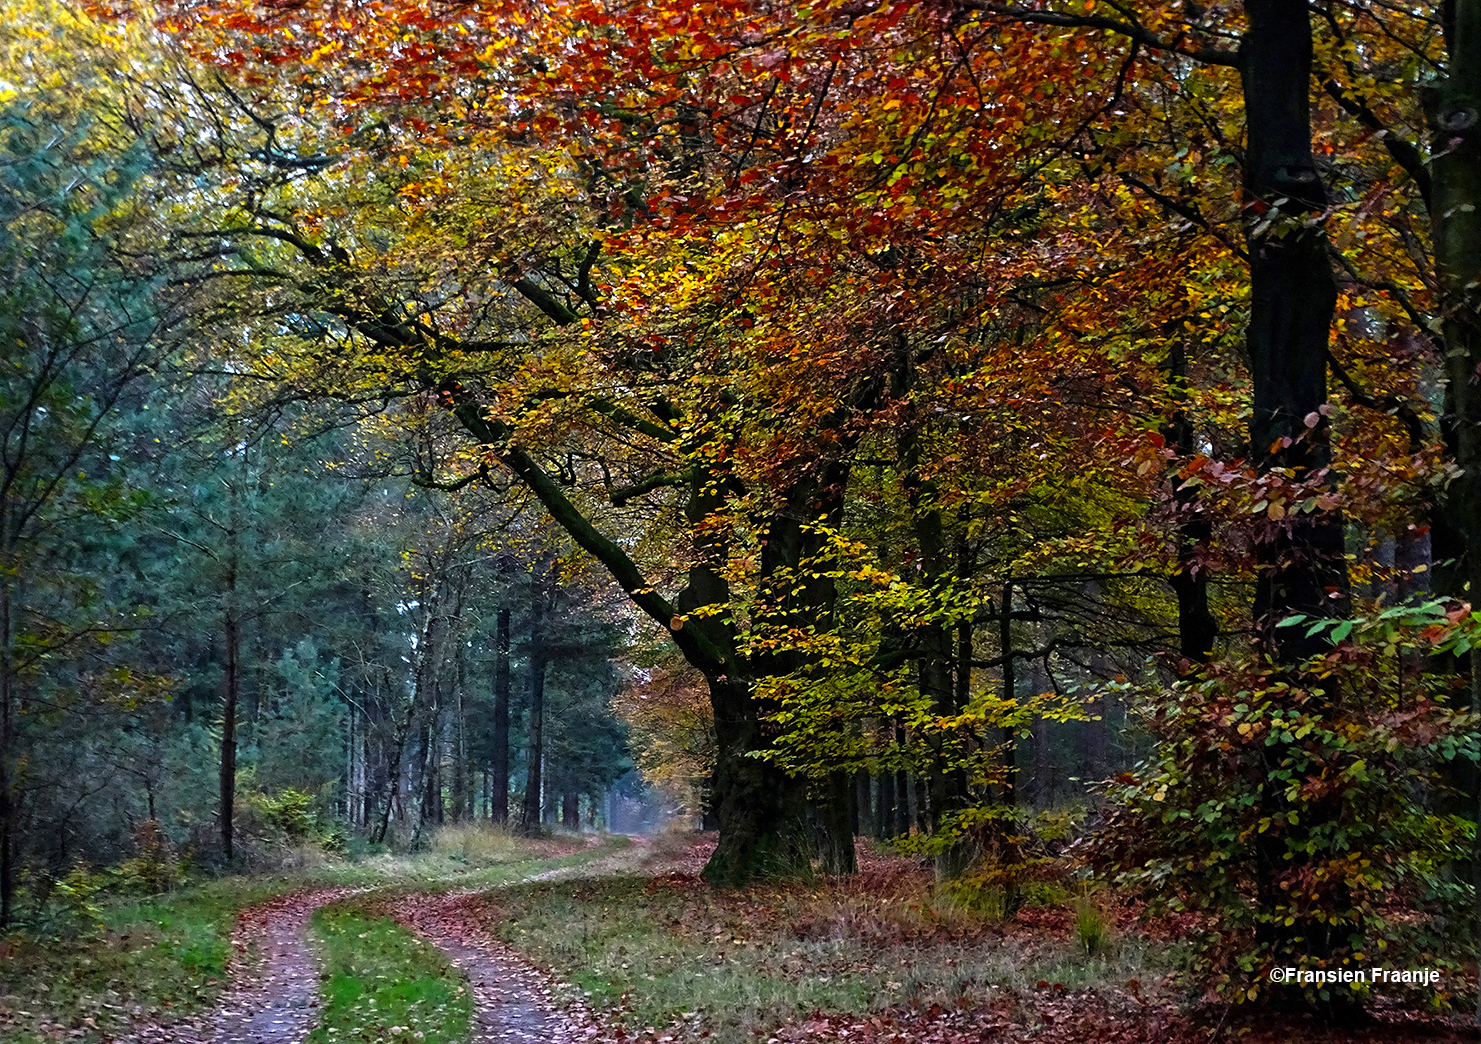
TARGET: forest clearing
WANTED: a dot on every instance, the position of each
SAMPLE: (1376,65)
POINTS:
(662,520)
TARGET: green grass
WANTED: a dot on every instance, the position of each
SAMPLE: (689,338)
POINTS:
(163,956)
(385,984)
(740,963)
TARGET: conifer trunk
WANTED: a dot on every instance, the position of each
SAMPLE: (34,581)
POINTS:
(529,820)
(499,762)
(230,691)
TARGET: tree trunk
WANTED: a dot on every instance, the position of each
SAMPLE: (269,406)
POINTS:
(1292,300)
(499,763)
(7,758)
(463,777)
(1008,788)
(1197,627)
(834,812)
(762,811)
(230,691)
(1453,108)
(530,814)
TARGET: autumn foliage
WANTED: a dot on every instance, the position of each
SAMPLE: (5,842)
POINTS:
(906,362)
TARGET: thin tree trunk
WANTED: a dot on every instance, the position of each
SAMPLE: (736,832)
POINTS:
(1010,697)
(499,762)
(530,815)
(1197,627)
(230,691)
(458,742)
(7,758)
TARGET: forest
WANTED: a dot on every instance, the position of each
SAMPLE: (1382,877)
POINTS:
(952,485)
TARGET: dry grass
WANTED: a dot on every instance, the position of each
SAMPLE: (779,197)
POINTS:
(479,844)
(671,952)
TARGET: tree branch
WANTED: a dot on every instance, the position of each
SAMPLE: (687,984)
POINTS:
(1389,404)
(621,495)
(544,300)
(1403,151)
(495,436)
(1133,31)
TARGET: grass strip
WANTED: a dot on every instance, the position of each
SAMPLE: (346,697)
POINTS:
(385,984)
(156,957)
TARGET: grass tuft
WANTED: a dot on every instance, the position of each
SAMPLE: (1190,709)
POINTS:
(479,844)
(1092,927)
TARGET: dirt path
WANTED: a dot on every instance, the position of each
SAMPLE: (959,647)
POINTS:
(511,1000)
(272,999)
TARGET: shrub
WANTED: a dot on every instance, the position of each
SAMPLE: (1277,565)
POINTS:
(154,868)
(1300,809)
(291,811)
(67,908)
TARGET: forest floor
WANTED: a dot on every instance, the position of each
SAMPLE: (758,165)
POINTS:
(586,940)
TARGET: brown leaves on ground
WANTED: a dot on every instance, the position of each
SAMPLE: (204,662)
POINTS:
(887,907)
(511,1001)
